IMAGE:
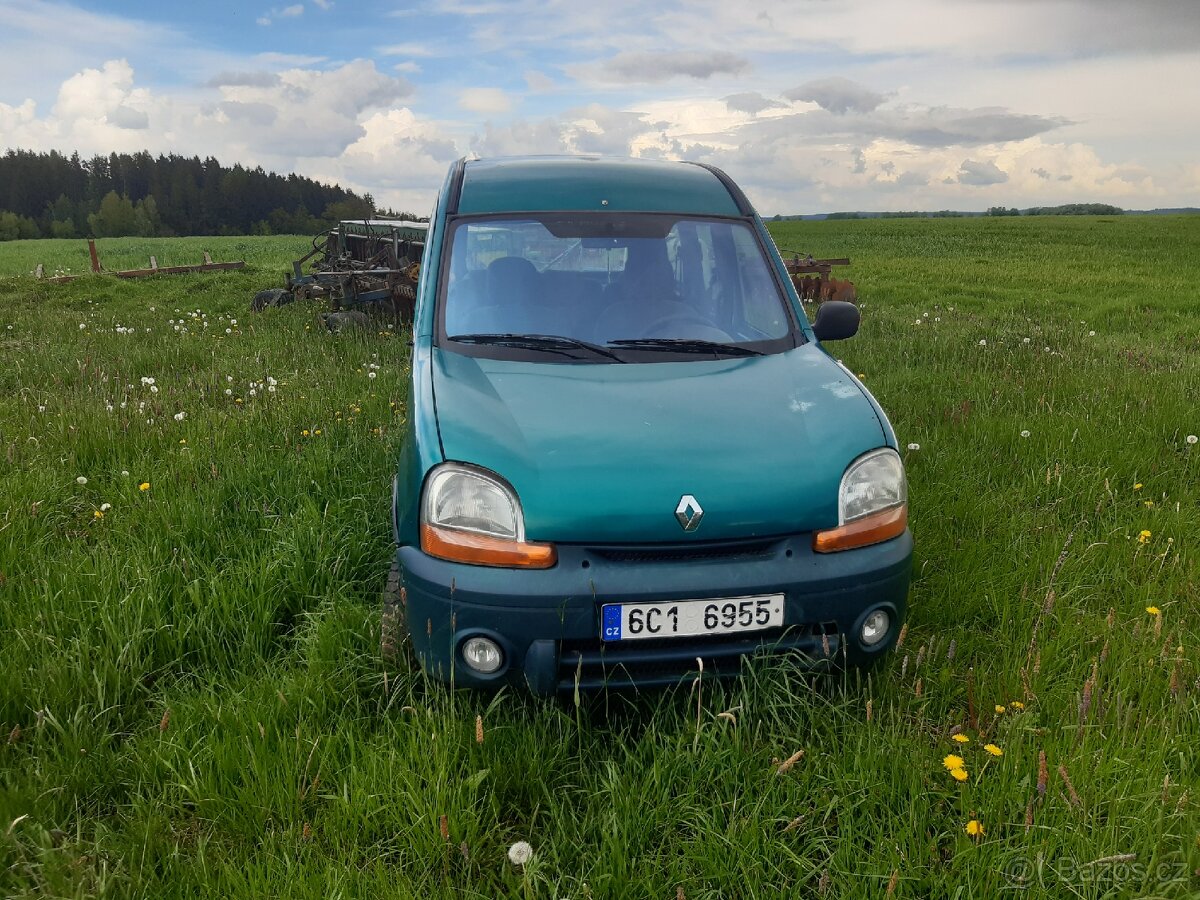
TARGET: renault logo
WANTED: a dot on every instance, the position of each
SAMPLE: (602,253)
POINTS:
(689,513)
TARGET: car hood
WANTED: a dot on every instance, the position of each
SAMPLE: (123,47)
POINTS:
(604,453)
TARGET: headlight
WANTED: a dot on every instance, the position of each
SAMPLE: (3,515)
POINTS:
(872,503)
(470,515)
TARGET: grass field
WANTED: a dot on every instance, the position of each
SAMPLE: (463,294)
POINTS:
(192,702)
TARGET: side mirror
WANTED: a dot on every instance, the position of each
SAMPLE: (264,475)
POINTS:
(836,321)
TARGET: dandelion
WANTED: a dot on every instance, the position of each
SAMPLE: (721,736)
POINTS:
(1143,536)
(974,829)
(961,738)
(1138,486)
(982,342)
(1000,710)
(372,374)
(183,440)
(41,408)
(952,762)
(1024,434)
(1017,704)
(993,750)
(1091,334)
(180,416)
(1191,439)
(228,392)
(105,507)
(317,432)
(914,446)
(154,388)
(1025,340)
(81,480)
(959,774)
(97,514)
(304,433)
(124,473)
(520,853)
(1154,610)
(144,486)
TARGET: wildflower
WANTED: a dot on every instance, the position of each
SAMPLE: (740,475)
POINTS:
(317,431)
(41,408)
(1025,340)
(1154,610)
(271,388)
(982,342)
(228,392)
(1191,439)
(304,433)
(953,762)
(1148,503)
(105,507)
(1091,334)
(1143,536)
(959,774)
(1017,704)
(961,738)
(97,514)
(229,331)
(183,440)
(125,473)
(144,486)
(910,446)
(974,829)
(1138,486)
(1024,434)
(371,374)
(237,399)
(81,480)
(180,416)
(154,388)
(229,378)
(993,750)
(520,853)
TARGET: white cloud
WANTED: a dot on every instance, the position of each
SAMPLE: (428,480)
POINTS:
(486,100)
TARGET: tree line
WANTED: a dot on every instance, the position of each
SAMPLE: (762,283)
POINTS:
(53,195)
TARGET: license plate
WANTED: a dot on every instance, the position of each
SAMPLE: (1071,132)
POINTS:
(688,618)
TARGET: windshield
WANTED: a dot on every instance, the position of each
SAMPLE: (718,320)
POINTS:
(611,287)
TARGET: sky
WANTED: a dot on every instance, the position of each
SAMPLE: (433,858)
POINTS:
(810,105)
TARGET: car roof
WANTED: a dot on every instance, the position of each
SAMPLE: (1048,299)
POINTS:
(599,183)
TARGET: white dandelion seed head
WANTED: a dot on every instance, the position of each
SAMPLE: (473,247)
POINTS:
(229,331)
(180,416)
(233,321)
(123,402)
(1024,434)
(520,853)
(82,325)
(124,473)
(1191,439)
(918,322)
(253,393)
(371,374)
(271,388)
(81,480)
(914,446)
(228,392)
(154,388)
(105,507)
(1024,340)
(982,342)
(1091,334)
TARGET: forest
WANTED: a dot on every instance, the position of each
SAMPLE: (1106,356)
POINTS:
(53,195)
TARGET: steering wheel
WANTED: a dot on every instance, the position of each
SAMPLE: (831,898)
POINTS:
(683,318)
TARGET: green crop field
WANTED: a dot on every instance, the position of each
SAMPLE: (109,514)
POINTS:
(194,535)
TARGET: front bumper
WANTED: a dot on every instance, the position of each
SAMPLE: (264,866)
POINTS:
(547,621)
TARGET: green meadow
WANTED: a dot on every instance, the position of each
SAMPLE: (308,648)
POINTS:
(194,535)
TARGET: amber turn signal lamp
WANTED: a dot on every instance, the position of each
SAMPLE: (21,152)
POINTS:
(484,550)
(873,529)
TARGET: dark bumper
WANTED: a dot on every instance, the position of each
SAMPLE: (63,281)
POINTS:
(548,621)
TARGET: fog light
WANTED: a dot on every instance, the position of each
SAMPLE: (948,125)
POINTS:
(482,655)
(875,627)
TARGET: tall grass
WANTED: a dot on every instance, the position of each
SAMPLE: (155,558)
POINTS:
(192,702)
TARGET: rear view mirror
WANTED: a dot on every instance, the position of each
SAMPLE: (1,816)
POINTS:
(836,321)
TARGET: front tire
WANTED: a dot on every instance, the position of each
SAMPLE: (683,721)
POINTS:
(394,644)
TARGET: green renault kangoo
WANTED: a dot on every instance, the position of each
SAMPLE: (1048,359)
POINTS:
(628,453)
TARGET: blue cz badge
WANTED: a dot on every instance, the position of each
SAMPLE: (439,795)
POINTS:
(610,629)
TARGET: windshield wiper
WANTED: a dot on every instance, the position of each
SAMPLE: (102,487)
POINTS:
(551,343)
(685,345)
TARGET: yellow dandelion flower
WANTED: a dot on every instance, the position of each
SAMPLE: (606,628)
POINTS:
(953,762)
(144,486)
(993,749)
(317,432)
(1143,536)
(183,440)
(304,433)
(237,399)
(1154,610)
(1138,486)
(974,829)
(1017,704)
(96,514)
(961,738)
(1149,503)
(1000,709)
(959,774)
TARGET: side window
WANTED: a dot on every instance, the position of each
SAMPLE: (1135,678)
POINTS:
(761,304)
